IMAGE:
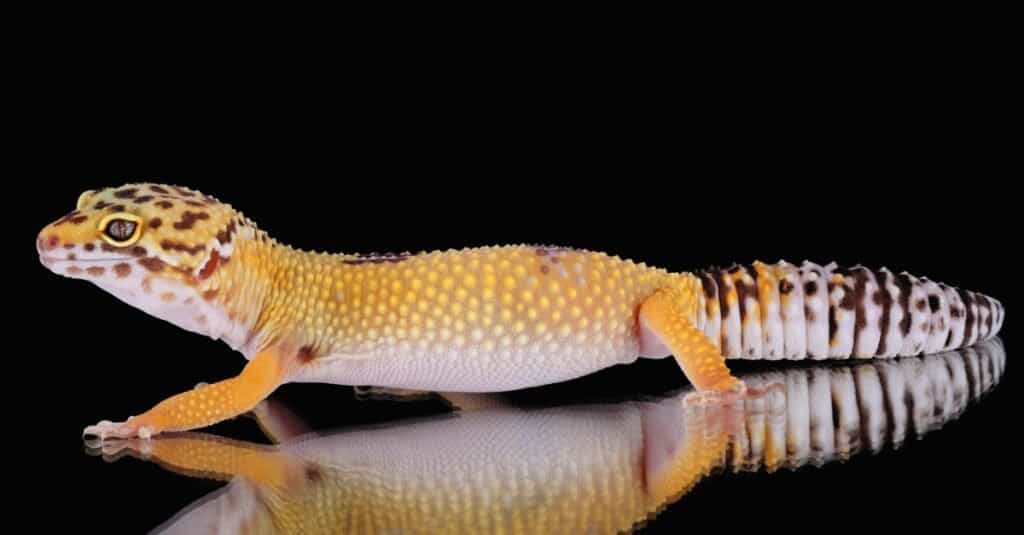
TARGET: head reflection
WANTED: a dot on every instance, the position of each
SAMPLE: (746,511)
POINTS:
(593,469)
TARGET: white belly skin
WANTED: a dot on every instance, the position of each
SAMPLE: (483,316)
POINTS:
(471,369)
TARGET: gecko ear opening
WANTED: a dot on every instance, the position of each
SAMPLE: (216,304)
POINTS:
(84,198)
(121,229)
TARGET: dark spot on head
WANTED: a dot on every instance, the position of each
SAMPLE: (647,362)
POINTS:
(143,199)
(71,256)
(95,271)
(210,294)
(224,236)
(165,204)
(810,287)
(188,219)
(158,189)
(74,270)
(108,248)
(171,245)
(122,270)
(117,208)
(155,222)
(69,246)
(184,192)
(785,287)
(89,246)
(193,203)
(153,264)
(544,269)
(126,193)
(101,205)
(137,250)
(933,302)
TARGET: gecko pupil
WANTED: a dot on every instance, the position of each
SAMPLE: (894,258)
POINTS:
(120,229)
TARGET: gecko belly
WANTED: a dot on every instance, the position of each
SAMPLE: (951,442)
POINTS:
(472,368)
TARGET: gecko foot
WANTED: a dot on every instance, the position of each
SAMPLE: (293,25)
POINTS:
(107,429)
(729,395)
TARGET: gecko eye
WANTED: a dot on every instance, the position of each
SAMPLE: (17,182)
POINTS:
(121,230)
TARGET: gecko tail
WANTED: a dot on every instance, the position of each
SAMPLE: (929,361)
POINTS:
(783,311)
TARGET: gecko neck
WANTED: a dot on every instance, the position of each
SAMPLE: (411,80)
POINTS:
(273,293)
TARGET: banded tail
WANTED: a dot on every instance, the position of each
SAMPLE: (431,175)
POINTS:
(782,311)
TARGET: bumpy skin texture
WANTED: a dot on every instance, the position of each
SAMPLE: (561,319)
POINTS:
(472,320)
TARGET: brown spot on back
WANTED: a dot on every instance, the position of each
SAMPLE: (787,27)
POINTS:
(143,199)
(89,246)
(171,245)
(377,258)
(126,193)
(96,271)
(210,266)
(305,354)
(101,205)
(155,222)
(122,270)
(74,270)
(153,264)
(165,204)
(158,189)
(810,287)
(188,219)
(210,294)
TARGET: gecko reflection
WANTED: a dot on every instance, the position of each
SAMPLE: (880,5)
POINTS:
(584,469)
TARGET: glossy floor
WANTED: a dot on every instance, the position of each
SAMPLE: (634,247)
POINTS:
(605,466)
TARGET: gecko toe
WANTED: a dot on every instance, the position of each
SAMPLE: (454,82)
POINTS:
(107,429)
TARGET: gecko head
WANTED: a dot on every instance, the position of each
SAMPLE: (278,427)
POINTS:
(152,245)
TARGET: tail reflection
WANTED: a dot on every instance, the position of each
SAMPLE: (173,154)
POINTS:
(592,469)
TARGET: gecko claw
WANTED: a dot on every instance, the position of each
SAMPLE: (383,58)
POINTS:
(107,429)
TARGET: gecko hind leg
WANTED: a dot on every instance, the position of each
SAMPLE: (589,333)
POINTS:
(665,327)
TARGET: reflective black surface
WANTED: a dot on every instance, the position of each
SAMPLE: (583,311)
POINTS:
(510,463)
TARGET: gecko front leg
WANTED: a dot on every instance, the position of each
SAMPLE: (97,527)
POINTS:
(202,406)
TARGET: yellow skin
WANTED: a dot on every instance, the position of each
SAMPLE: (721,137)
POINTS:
(473,320)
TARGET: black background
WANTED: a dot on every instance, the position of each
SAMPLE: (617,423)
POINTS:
(893,163)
